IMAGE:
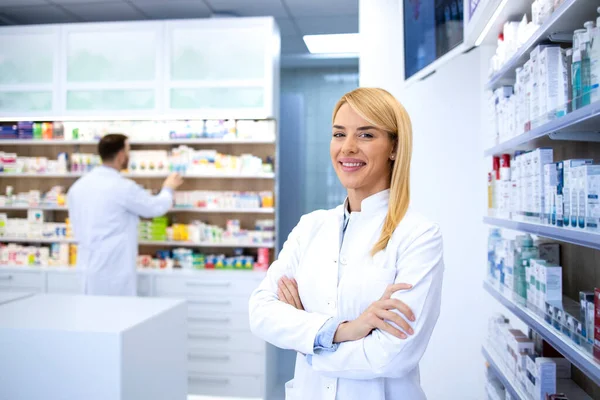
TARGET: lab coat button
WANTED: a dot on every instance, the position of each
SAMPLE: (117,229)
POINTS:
(343,260)
(331,304)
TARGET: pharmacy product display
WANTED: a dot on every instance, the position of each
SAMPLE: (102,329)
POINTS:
(183,159)
(531,275)
(195,199)
(552,83)
(525,366)
(223,200)
(54,255)
(530,187)
(190,260)
(516,33)
(144,131)
(158,229)
(34,227)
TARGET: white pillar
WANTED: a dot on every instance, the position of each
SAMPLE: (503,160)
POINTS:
(382,44)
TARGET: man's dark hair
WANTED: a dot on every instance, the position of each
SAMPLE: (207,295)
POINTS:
(110,145)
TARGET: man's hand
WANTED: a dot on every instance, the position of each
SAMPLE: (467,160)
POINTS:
(173,181)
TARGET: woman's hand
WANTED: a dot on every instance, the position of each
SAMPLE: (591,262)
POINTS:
(287,291)
(375,317)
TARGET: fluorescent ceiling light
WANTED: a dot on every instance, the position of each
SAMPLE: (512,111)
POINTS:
(338,43)
(491,22)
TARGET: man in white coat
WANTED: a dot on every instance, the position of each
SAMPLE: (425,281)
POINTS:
(104,208)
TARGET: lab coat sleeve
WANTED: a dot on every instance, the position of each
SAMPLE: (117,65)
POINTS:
(381,355)
(277,322)
(139,202)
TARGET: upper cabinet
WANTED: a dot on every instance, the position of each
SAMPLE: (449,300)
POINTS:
(208,68)
(29,58)
(112,67)
(220,65)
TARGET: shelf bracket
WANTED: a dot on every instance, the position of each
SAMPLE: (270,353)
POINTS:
(561,37)
(576,136)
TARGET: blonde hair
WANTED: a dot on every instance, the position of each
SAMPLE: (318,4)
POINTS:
(384,111)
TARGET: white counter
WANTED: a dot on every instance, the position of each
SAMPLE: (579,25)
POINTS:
(88,347)
(7,297)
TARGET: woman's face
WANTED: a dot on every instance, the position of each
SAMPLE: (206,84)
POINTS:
(360,153)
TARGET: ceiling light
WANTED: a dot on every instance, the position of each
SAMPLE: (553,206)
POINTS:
(490,23)
(338,43)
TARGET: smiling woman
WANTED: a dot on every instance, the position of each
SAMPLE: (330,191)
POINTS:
(356,290)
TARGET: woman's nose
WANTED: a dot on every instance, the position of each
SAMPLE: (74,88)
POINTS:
(349,146)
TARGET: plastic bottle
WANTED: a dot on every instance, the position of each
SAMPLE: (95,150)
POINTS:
(569,66)
(586,77)
(594,55)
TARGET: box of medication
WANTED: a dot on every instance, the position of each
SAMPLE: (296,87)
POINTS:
(546,378)
(550,182)
(552,83)
(586,303)
(588,183)
(570,194)
(597,323)
(550,252)
(558,211)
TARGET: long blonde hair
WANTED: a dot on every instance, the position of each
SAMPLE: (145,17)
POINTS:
(385,112)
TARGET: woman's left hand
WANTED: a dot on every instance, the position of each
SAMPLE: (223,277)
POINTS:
(287,291)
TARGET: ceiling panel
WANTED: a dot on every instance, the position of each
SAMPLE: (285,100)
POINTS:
(249,8)
(173,9)
(105,11)
(327,25)
(321,8)
(293,45)
(37,15)
(18,3)
(286,27)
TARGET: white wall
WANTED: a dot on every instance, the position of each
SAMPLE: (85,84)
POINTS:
(448,185)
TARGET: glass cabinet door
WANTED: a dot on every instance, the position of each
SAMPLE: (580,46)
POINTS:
(28,71)
(218,70)
(112,67)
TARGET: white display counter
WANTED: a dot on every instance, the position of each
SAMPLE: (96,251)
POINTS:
(7,297)
(92,347)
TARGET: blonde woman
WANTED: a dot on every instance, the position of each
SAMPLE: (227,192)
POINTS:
(356,290)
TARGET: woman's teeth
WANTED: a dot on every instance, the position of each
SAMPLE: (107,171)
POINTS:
(352,164)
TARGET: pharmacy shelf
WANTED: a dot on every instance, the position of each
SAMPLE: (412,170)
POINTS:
(496,366)
(569,16)
(6,239)
(262,175)
(582,360)
(577,237)
(198,210)
(61,142)
(586,120)
(174,243)
(225,273)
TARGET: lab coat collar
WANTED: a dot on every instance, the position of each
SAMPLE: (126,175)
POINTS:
(107,170)
(372,204)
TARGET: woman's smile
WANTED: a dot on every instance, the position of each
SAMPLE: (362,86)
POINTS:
(351,164)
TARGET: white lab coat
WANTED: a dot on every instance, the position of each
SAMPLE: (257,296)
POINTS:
(378,366)
(104,209)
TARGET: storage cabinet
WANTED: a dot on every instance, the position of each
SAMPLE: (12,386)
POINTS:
(29,70)
(176,68)
(22,281)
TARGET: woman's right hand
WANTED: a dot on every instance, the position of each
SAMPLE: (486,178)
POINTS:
(375,317)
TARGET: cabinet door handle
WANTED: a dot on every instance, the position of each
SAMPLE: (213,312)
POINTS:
(216,381)
(6,277)
(210,302)
(208,357)
(208,284)
(207,319)
(224,338)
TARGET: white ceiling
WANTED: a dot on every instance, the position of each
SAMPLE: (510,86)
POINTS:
(294,17)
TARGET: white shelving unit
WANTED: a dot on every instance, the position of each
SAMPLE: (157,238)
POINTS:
(577,126)
(72,175)
(61,142)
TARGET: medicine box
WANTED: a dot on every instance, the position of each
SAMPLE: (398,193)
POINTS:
(586,303)
(569,194)
(552,82)
(546,378)
(558,212)
(550,182)
(588,184)
(550,252)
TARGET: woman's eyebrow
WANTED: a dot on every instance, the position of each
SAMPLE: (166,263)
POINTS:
(338,127)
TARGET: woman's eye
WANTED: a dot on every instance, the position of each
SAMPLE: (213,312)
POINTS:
(366,135)
(339,134)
